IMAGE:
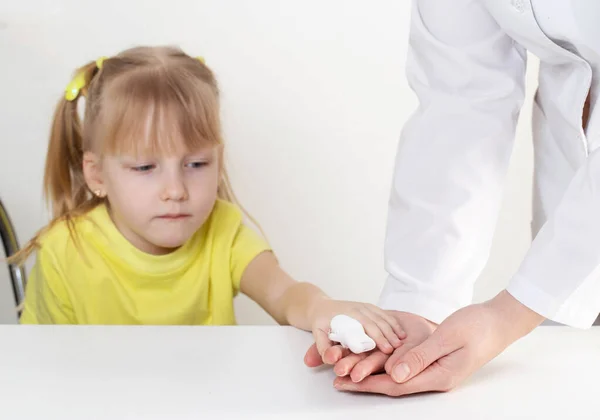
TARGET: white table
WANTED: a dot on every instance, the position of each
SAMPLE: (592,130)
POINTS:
(88,373)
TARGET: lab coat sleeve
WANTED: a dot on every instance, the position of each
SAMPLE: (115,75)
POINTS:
(453,155)
(560,275)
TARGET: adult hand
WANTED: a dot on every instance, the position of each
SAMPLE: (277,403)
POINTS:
(358,366)
(464,342)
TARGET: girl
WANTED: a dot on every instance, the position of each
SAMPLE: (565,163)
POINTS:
(145,227)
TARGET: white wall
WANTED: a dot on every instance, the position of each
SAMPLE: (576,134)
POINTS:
(314,101)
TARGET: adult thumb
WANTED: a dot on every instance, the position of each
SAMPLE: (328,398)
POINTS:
(417,359)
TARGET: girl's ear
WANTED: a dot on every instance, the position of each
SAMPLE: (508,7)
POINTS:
(92,173)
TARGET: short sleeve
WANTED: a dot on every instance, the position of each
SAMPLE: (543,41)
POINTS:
(46,298)
(247,245)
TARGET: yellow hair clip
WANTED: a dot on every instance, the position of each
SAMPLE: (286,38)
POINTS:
(79,82)
(100,62)
(73,88)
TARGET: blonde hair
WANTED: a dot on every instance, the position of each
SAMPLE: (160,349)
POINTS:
(178,92)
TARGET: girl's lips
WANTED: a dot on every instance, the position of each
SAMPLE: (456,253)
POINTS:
(174,216)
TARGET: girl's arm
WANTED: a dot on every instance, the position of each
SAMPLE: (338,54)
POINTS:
(305,306)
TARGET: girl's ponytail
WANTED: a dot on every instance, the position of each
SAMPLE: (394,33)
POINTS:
(65,189)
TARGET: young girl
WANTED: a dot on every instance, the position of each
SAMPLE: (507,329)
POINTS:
(145,229)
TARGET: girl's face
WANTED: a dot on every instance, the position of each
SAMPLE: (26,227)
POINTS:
(157,202)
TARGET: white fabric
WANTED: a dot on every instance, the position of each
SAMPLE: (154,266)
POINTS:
(573,24)
(466,64)
(350,334)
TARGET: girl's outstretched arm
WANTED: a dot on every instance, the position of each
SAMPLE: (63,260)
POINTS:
(305,306)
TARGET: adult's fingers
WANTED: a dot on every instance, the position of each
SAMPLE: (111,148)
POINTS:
(431,379)
(373,363)
(344,366)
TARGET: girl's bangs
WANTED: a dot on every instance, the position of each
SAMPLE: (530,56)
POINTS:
(158,114)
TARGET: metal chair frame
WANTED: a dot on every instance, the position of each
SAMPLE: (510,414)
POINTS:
(11,245)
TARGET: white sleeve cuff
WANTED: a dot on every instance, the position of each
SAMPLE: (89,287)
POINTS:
(572,312)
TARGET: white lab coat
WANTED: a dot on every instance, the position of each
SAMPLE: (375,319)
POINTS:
(466,63)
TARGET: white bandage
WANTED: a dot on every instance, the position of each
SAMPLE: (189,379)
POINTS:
(350,334)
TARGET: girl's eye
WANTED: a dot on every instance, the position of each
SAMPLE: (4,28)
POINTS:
(142,168)
(196,165)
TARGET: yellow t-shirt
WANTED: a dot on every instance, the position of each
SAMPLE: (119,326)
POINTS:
(103,279)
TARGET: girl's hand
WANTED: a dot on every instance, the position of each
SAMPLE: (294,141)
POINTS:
(383,328)
(358,366)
